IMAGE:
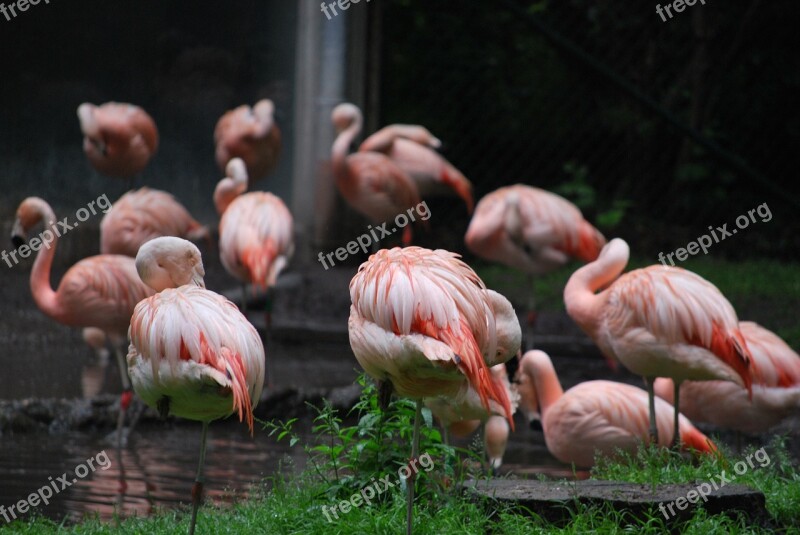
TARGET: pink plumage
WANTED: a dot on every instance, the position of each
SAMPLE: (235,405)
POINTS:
(776,388)
(410,147)
(118,138)
(250,134)
(143,214)
(594,416)
(370,182)
(531,229)
(256,231)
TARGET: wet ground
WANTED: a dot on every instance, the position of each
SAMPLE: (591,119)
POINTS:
(308,357)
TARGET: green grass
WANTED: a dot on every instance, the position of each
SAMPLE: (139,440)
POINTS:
(765,291)
(347,457)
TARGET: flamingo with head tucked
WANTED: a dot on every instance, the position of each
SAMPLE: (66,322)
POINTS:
(192,353)
(776,388)
(100,291)
(143,214)
(256,230)
(411,148)
(252,135)
(594,416)
(370,182)
(118,138)
(423,321)
(658,322)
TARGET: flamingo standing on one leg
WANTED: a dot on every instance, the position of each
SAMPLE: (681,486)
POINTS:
(532,230)
(192,353)
(370,182)
(256,236)
(776,388)
(100,291)
(424,321)
(658,322)
(119,139)
(595,416)
(144,214)
(463,417)
(411,148)
(250,134)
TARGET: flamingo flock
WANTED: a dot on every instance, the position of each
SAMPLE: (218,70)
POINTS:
(422,322)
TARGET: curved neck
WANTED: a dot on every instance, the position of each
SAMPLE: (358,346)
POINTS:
(545,381)
(582,304)
(226,191)
(44,296)
(341,147)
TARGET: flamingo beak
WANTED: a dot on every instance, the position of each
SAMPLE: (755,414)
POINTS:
(18,236)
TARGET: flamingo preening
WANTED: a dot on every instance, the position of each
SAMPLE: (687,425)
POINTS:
(410,147)
(424,321)
(594,416)
(658,322)
(144,214)
(461,417)
(256,236)
(119,139)
(776,388)
(370,182)
(531,230)
(100,291)
(192,353)
(249,133)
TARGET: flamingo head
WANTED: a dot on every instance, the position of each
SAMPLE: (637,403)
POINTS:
(231,186)
(507,329)
(90,126)
(345,115)
(29,213)
(170,262)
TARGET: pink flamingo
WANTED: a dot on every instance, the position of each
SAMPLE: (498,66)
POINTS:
(370,182)
(658,322)
(192,353)
(100,291)
(595,416)
(531,230)
(144,214)
(119,139)
(776,388)
(463,417)
(424,321)
(411,148)
(250,134)
(256,230)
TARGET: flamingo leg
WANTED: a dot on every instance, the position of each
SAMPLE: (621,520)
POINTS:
(676,434)
(267,332)
(197,488)
(651,397)
(125,397)
(531,319)
(411,479)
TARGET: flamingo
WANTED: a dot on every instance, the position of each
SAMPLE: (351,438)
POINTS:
(463,418)
(776,388)
(411,148)
(118,138)
(256,236)
(425,322)
(144,214)
(370,182)
(192,353)
(595,415)
(250,134)
(531,230)
(658,322)
(100,291)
